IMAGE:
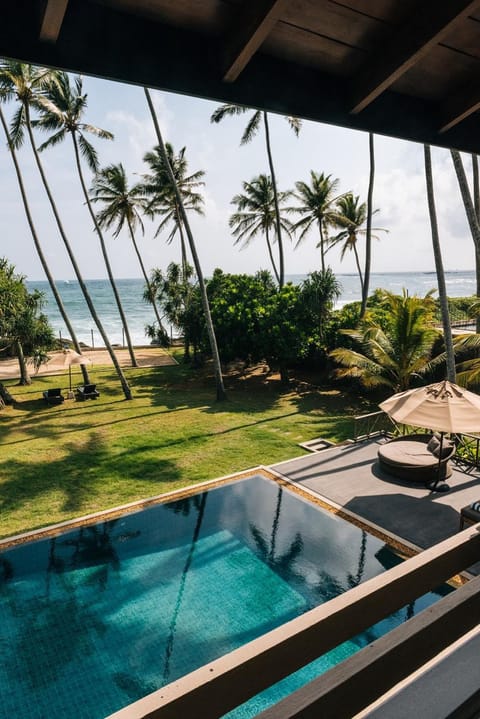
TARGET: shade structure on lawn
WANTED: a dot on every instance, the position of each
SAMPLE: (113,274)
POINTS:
(72,357)
(441,406)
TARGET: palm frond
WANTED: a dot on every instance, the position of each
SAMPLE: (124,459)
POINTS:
(227,110)
(295,123)
(88,152)
(251,128)
(53,140)
(97,131)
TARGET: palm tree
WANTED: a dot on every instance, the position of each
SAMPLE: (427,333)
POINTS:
(468,370)
(470,211)
(320,291)
(368,235)
(437,253)
(351,216)
(253,126)
(61,112)
(28,84)
(256,214)
(177,295)
(394,356)
(164,203)
(121,207)
(318,205)
(221,395)
(38,247)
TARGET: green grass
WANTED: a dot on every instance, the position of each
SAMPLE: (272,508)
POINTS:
(60,462)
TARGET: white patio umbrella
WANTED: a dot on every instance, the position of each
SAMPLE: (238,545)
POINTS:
(441,406)
(72,357)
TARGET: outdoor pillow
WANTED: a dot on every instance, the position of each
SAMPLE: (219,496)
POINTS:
(446,449)
(434,445)
(475,506)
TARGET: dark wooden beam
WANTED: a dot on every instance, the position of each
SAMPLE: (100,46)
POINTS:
(52,20)
(460,106)
(252,27)
(178,60)
(424,29)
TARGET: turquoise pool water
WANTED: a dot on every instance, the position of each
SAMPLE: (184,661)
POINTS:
(96,618)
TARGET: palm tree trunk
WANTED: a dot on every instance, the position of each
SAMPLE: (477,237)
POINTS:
(25,378)
(473,222)
(221,395)
(437,253)
(270,252)
(183,248)
(476,200)
(281,273)
(145,276)
(104,253)
(88,299)
(359,270)
(38,247)
(368,238)
(322,247)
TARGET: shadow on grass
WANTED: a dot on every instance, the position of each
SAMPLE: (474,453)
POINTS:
(78,476)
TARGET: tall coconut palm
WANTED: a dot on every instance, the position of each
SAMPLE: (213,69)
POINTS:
(391,357)
(476,202)
(221,395)
(38,247)
(163,201)
(253,126)
(15,81)
(256,214)
(318,205)
(468,203)
(352,215)
(437,253)
(368,235)
(61,112)
(122,205)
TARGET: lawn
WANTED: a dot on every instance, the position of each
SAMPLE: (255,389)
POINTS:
(60,462)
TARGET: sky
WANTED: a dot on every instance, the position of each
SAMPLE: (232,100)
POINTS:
(399,192)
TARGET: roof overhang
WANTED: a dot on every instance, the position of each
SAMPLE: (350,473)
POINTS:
(404,69)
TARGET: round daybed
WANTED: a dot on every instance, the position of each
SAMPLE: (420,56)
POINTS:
(409,458)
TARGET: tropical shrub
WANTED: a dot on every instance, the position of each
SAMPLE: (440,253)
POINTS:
(395,352)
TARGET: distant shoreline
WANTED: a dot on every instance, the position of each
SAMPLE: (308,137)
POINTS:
(140,313)
(376,273)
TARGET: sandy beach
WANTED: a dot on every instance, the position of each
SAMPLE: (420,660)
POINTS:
(146,357)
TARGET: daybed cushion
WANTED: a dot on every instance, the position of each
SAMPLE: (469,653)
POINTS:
(407,453)
(447,447)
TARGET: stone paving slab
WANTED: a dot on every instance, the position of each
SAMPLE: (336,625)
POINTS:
(349,475)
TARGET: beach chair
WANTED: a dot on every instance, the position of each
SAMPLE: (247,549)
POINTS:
(470,515)
(53,396)
(87,391)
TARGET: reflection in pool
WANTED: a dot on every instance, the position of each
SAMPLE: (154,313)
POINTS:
(96,618)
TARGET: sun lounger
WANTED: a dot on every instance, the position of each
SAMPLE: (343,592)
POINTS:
(470,514)
(87,391)
(53,396)
(411,459)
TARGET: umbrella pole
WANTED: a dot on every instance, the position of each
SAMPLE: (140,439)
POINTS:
(70,375)
(436,486)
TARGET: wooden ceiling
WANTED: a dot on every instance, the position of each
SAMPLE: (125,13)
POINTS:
(405,68)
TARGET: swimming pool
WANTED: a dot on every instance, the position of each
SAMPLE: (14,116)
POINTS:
(99,616)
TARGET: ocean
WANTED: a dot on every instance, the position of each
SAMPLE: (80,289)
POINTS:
(139,313)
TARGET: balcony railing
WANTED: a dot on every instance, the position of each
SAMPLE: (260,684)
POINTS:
(218,687)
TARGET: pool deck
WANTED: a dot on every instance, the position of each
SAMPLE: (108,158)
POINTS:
(348,476)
